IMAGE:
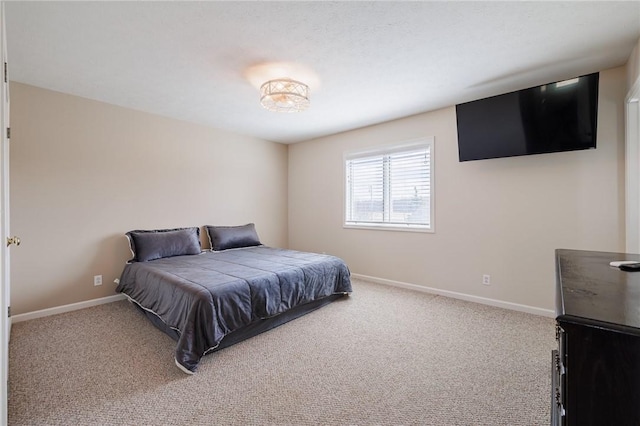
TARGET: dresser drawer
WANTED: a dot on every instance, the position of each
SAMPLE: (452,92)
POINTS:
(561,340)
(557,391)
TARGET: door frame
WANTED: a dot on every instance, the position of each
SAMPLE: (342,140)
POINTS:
(632,169)
(5,320)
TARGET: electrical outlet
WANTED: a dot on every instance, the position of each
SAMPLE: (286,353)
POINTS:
(486,279)
(97,280)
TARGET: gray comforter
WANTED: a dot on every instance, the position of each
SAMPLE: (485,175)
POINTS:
(205,297)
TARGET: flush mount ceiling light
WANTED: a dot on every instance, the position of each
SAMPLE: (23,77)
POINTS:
(280,85)
(284,95)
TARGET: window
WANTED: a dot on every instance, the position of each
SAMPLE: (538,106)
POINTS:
(390,188)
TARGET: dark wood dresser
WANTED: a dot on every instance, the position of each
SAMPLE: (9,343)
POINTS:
(596,368)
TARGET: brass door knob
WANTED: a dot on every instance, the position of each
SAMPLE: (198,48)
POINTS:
(13,240)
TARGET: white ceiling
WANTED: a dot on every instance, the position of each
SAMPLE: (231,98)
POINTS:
(375,61)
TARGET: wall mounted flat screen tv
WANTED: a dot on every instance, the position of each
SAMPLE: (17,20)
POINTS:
(554,117)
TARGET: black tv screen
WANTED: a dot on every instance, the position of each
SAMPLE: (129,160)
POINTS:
(560,116)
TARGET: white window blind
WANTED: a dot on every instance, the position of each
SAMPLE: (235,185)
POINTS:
(390,188)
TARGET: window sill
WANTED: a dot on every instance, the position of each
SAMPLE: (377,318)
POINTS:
(402,228)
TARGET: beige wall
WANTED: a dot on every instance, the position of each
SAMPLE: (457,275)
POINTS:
(83,173)
(502,217)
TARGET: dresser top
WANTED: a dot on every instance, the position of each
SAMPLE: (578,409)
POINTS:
(589,289)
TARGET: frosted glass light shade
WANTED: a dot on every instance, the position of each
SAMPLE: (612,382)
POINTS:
(284,95)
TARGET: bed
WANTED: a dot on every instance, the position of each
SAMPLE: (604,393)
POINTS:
(210,300)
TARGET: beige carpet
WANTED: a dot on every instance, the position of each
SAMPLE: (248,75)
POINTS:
(383,356)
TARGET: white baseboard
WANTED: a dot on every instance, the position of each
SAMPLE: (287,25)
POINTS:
(468,297)
(66,308)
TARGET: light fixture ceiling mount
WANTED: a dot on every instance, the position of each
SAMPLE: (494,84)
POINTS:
(284,95)
(283,86)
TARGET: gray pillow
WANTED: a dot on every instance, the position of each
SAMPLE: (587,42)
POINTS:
(228,237)
(156,244)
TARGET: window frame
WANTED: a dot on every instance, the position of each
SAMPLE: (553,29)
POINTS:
(391,149)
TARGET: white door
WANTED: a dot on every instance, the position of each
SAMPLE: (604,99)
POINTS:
(4,222)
